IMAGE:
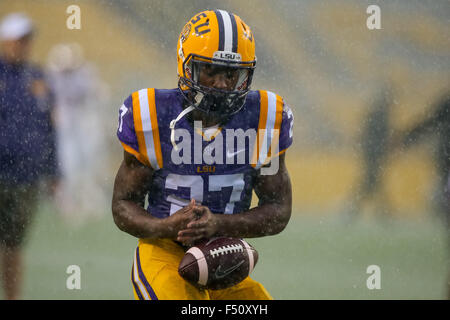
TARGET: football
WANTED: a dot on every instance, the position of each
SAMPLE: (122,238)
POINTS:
(218,263)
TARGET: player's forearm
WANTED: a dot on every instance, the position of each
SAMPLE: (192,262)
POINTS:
(134,220)
(265,220)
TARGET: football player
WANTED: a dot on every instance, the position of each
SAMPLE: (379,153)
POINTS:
(179,151)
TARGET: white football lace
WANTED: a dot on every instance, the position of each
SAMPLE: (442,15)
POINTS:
(226,249)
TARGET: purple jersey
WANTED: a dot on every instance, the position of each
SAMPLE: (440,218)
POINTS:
(218,170)
(27,135)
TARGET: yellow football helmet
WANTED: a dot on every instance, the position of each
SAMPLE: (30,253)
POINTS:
(215,38)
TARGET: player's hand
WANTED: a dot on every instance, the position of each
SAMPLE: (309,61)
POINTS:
(180,219)
(205,226)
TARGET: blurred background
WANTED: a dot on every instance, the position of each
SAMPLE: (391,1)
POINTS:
(353,92)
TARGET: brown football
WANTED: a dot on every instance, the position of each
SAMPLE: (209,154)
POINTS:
(218,263)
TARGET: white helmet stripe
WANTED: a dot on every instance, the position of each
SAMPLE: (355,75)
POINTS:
(228,31)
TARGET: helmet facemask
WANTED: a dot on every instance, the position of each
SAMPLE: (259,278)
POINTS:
(217,103)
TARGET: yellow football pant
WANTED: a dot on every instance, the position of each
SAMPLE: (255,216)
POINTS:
(155,277)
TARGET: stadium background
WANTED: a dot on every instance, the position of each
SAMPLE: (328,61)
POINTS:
(318,55)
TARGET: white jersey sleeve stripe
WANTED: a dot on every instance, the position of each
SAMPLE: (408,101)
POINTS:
(147,128)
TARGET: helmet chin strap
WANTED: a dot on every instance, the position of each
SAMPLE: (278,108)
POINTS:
(173,123)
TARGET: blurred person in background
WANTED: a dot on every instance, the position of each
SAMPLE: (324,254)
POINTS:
(437,124)
(27,144)
(79,97)
(374,148)
(448,235)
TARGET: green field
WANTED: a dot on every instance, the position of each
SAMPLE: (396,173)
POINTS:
(312,259)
